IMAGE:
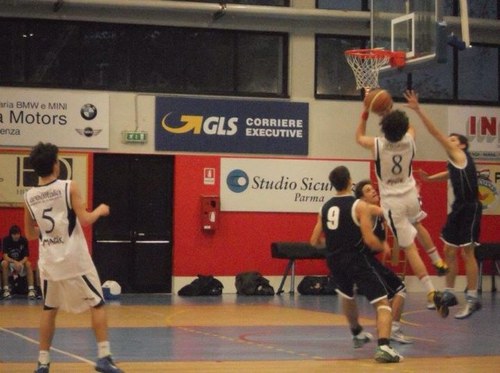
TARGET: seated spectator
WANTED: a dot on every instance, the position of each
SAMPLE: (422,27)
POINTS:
(16,261)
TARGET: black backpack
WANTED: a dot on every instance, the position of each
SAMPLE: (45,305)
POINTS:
(203,285)
(252,283)
(316,285)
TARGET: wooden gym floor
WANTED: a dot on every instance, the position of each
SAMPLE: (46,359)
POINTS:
(230,333)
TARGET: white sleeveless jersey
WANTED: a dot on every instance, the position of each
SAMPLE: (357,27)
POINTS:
(393,165)
(63,250)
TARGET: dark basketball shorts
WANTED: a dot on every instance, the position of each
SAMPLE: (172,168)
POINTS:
(463,224)
(355,269)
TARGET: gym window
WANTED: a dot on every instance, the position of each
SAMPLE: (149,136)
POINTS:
(137,58)
(469,77)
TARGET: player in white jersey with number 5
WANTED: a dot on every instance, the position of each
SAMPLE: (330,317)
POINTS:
(393,154)
(54,214)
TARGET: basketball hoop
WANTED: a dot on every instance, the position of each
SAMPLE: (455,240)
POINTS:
(366,64)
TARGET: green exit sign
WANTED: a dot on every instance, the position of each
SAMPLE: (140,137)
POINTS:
(135,137)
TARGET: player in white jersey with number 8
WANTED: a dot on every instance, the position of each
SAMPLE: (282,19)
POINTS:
(393,154)
(55,213)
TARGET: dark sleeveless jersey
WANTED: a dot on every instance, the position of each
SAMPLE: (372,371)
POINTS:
(379,231)
(464,181)
(342,232)
(379,228)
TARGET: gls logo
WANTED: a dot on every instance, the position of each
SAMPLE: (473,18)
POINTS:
(195,123)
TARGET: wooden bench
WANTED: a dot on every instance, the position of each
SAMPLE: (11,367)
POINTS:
(487,251)
(293,251)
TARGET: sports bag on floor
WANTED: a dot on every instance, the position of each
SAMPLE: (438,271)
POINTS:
(252,283)
(316,285)
(203,285)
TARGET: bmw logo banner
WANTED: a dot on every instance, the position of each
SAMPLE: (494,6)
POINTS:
(73,119)
(231,126)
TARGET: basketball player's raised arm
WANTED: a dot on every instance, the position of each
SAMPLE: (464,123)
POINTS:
(365,141)
(411,131)
(440,176)
(85,217)
(453,152)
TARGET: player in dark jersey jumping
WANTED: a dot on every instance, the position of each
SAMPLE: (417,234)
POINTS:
(462,227)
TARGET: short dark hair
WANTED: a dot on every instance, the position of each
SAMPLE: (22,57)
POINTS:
(358,188)
(43,157)
(394,125)
(339,177)
(461,139)
(14,230)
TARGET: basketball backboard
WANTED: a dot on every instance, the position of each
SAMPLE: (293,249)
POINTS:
(406,25)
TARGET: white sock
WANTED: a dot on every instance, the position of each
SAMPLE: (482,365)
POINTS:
(426,281)
(472,293)
(434,255)
(103,349)
(395,326)
(44,357)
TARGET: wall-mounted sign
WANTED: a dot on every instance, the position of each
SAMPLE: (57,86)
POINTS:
(481,126)
(69,119)
(231,126)
(17,176)
(281,185)
(132,137)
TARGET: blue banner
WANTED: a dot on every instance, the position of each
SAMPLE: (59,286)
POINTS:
(231,126)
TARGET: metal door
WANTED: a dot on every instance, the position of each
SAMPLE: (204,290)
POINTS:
(133,245)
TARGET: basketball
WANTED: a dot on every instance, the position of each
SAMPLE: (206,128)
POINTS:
(378,101)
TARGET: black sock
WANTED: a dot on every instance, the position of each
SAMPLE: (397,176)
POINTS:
(383,341)
(356,330)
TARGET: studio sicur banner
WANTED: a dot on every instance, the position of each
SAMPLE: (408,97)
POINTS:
(281,185)
(231,126)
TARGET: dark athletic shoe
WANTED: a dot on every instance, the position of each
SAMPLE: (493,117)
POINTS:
(106,365)
(42,368)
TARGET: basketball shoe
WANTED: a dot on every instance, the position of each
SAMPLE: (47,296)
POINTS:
(6,294)
(386,354)
(42,368)
(106,365)
(441,268)
(398,335)
(361,339)
(31,294)
(472,305)
(430,305)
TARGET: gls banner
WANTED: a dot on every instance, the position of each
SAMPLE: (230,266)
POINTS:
(231,126)
(67,119)
(281,185)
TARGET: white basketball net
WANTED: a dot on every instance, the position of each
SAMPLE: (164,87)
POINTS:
(366,65)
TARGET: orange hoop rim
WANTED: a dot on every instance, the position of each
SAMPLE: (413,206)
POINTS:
(369,53)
